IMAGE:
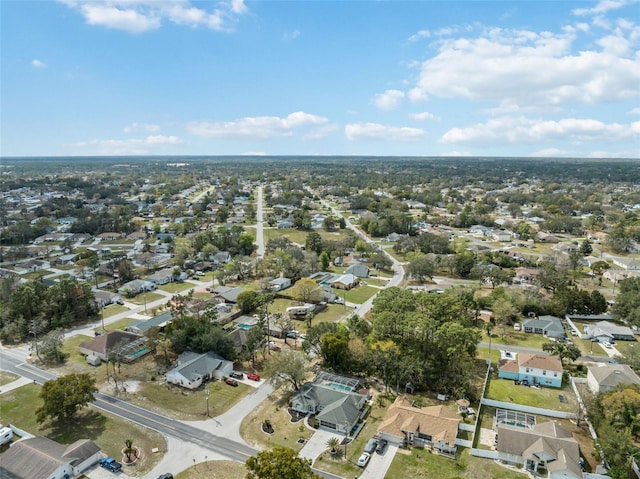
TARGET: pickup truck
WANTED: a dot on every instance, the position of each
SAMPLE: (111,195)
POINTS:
(110,464)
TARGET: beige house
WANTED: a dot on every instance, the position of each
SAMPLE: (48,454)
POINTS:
(546,450)
(433,426)
(605,377)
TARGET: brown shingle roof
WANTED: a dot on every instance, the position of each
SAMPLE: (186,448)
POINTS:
(539,361)
(106,342)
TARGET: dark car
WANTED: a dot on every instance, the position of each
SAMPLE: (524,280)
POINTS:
(168,475)
(382,444)
(237,375)
(231,382)
(110,464)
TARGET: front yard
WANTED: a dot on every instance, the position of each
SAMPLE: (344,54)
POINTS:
(357,295)
(215,470)
(514,338)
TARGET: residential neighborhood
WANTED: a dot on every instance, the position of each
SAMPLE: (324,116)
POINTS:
(375,332)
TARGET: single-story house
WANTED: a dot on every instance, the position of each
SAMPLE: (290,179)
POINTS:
(42,458)
(539,368)
(109,236)
(605,377)
(629,264)
(136,286)
(193,369)
(359,270)
(68,259)
(589,317)
(226,294)
(346,281)
(137,235)
(549,326)
(526,275)
(336,406)
(124,342)
(105,298)
(141,326)
(221,257)
(542,237)
(31,266)
(606,331)
(547,450)
(279,284)
(434,426)
(163,276)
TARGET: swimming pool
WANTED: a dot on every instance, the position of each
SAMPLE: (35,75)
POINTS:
(339,387)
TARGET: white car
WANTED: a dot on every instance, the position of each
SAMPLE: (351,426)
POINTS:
(607,344)
(364,459)
(516,327)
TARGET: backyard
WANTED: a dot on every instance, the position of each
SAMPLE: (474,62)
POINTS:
(559,399)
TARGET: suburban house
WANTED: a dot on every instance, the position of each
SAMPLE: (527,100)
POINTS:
(221,257)
(546,450)
(539,369)
(629,264)
(359,270)
(163,276)
(137,235)
(605,377)
(193,369)
(279,284)
(346,281)
(589,317)
(606,331)
(136,286)
(105,298)
(549,326)
(42,458)
(526,275)
(111,236)
(435,427)
(141,326)
(31,266)
(226,294)
(334,400)
(125,343)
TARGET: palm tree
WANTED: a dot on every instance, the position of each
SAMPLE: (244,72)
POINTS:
(128,449)
(333,443)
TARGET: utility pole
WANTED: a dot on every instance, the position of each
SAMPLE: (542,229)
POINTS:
(206,395)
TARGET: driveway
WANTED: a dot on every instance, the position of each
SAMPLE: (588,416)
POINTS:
(379,464)
(317,444)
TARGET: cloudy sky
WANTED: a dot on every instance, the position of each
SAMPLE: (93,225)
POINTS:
(174,77)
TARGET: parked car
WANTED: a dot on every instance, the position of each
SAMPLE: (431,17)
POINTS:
(292,334)
(364,459)
(231,382)
(110,464)
(607,344)
(236,375)
(574,332)
(199,273)
(371,445)
(382,444)
(168,475)
(253,376)
(516,327)
(274,347)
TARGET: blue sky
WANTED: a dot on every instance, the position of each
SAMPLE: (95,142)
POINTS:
(138,77)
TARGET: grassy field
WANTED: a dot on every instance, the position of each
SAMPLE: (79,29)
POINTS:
(7,377)
(106,430)
(420,464)
(548,398)
(215,470)
(514,338)
(625,346)
(286,433)
(140,299)
(297,236)
(359,294)
(175,288)
(114,309)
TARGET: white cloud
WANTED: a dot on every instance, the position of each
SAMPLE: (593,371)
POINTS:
(38,64)
(291,35)
(634,111)
(388,100)
(376,131)
(425,115)
(419,35)
(138,16)
(510,129)
(134,146)
(259,127)
(135,126)
(529,69)
(602,7)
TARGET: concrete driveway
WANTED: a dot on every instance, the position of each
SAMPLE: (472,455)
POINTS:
(379,464)
(317,444)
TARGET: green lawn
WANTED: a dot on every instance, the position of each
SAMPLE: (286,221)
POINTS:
(300,237)
(625,346)
(174,288)
(140,299)
(7,377)
(514,338)
(359,294)
(180,403)
(104,429)
(114,309)
(120,324)
(214,470)
(505,390)
(420,464)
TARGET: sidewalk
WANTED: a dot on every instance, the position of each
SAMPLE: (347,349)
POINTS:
(14,385)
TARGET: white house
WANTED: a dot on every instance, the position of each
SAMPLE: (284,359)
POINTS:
(346,281)
(279,284)
(135,287)
(193,369)
(539,369)
(605,377)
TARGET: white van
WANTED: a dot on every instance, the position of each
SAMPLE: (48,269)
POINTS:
(6,434)
(516,327)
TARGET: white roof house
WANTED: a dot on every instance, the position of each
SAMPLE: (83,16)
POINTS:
(605,377)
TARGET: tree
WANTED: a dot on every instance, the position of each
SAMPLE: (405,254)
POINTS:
(314,242)
(325,261)
(50,347)
(334,349)
(279,463)
(627,305)
(248,301)
(562,350)
(421,267)
(64,396)
(585,248)
(288,367)
(306,290)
